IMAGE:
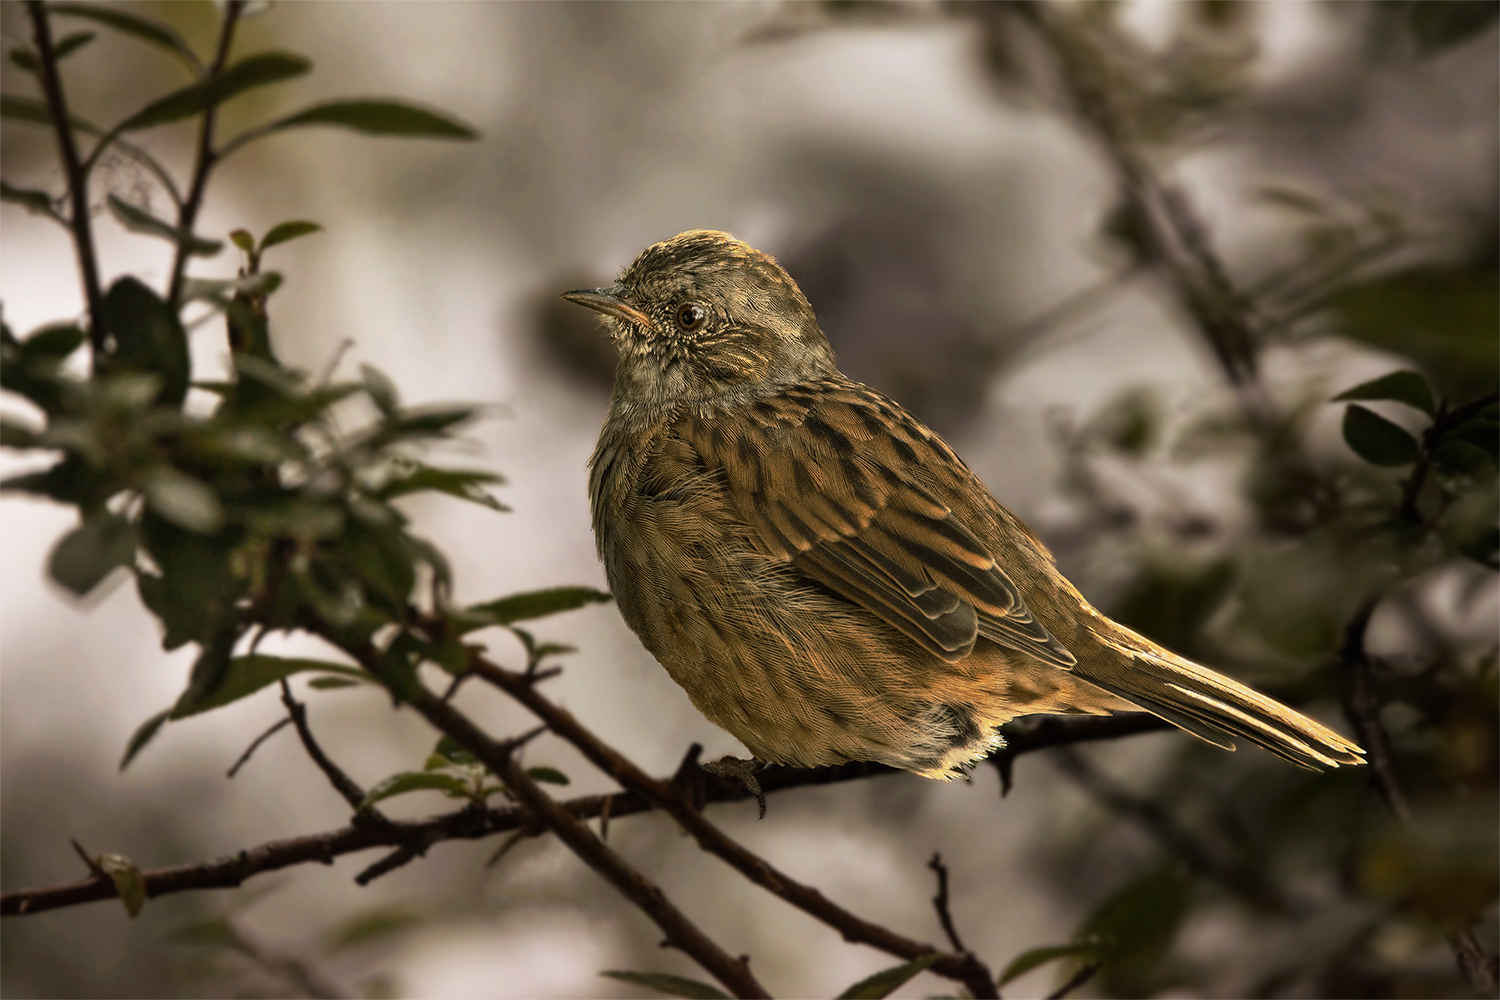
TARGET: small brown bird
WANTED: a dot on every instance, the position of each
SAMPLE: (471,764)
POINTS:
(820,572)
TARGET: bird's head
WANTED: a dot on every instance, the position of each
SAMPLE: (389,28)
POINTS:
(703,318)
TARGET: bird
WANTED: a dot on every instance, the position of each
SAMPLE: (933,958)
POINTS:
(821,573)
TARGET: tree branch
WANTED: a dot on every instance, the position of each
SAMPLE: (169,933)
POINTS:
(78,189)
(681,932)
(1480,969)
(205,157)
(672,799)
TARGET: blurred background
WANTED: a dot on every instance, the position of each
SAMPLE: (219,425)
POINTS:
(961,231)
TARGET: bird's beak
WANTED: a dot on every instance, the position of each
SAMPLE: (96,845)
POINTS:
(608,302)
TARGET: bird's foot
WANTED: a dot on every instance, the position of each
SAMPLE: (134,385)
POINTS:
(745,770)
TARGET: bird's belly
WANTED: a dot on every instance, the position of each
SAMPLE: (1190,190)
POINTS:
(798,674)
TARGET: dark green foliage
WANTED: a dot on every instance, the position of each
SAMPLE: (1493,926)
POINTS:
(885,982)
(1376,439)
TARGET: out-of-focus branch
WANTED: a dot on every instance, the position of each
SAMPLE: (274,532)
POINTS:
(1173,837)
(1362,706)
(1172,239)
(78,189)
(205,157)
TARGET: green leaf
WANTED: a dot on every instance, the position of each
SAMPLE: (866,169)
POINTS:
(672,986)
(371,925)
(1482,434)
(430,421)
(242,239)
(35,202)
(129,882)
(1378,440)
(71,481)
(198,588)
(90,552)
(113,16)
(258,70)
(882,984)
(248,674)
(332,683)
(377,118)
(416,781)
(1407,387)
(1458,457)
(454,755)
(533,604)
(186,501)
(148,337)
(144,734)
(1444,320)
(466,484)
(210,670)
(53,342)
(308,520)
(1035,957)
(138,220)
(217,289)
(547,775)
(66,46)
(381,390)
(35,112)
(1135,927)
(285,232)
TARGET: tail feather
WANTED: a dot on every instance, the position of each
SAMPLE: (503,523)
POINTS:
(1214,707)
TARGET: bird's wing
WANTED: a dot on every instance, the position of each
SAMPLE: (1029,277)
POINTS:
(845,485)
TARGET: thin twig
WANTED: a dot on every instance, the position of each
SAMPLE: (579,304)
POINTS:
(1076,980)
(665,795)
(78,189)
(245,757)
(940,903)
(683,934)
(466,824)
(342,783)
(205,157)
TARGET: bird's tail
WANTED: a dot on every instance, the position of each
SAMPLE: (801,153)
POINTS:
(1209,705)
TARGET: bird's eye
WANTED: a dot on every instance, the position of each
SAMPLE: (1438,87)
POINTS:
(691,316)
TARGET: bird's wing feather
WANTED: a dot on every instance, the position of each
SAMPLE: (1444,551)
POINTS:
(827,476)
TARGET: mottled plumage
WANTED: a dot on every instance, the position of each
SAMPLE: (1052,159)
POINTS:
(820,572)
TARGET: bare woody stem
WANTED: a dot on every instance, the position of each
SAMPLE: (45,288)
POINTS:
(205,157)
(673,799)
(476,824)
(79,221)
(681,932)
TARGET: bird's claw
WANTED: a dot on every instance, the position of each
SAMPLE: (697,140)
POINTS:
(745,771)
